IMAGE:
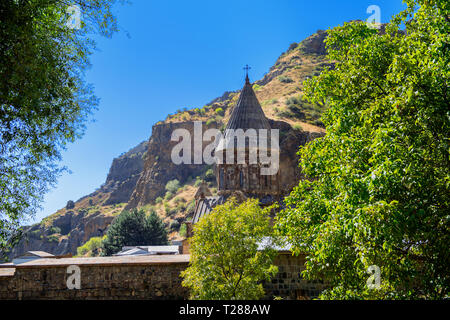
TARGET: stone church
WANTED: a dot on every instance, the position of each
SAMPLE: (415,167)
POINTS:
(243,179)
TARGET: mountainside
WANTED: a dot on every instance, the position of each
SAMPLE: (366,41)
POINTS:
(137,179)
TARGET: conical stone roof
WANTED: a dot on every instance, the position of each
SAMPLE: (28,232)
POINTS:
(247,113)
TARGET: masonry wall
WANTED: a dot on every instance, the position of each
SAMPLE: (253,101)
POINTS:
(289,283)
(97,282)
(128,282)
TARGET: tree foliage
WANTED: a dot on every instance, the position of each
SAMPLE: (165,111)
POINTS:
(44,100)
(93,247)
(134,228)
(225,260)
(379,188)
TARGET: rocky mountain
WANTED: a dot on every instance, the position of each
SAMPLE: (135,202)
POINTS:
(138,178)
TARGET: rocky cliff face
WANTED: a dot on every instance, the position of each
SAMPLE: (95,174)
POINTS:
(67,232)
(123,175)
(290,141)
(138,177)
(159,167)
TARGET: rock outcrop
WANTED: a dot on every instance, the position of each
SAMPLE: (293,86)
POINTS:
(123,175)
(67,232)
(315,44)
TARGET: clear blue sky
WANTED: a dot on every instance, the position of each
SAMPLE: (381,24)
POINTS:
(183,54)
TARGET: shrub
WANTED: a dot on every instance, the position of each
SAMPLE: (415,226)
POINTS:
(54,230)
(179,200)
(256,87)
(170,211)
(181,207)
(285,79)
(180,189)
(220,111)
(318,123)
(92,246)
(166,207)
(183,230)
(173,186)
(293,46)
(198,182)
(190,208)
(159,200)
(169,195)
(293,101)
(209,175)
(174,225)
(53,238)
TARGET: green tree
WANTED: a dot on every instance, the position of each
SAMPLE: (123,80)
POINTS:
(44,100)
(379,188)
(134,228)
(225,260)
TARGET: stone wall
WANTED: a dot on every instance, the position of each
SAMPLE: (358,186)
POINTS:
(128,278)
(289,283)
(98,282)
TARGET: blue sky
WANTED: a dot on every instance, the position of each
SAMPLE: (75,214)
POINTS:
(183,54)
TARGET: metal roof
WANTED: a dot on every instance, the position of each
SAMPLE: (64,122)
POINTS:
(131,252)
(147,250)
(41,254)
